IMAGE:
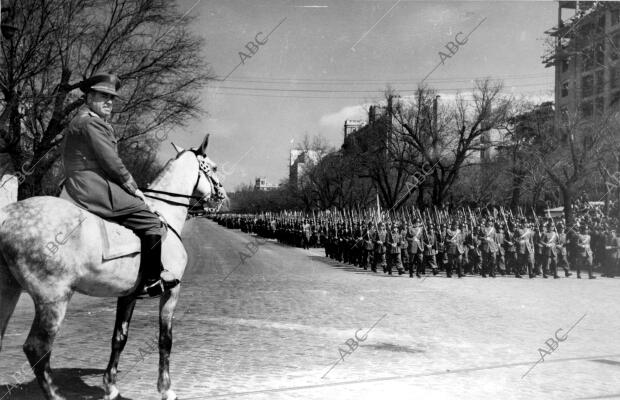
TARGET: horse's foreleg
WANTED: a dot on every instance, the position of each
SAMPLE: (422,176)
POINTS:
(167,305)
(38,346)
(124,311)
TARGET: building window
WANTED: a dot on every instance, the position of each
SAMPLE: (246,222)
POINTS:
(564,89)
(599,105)
(587,109)
(599,54)
(601,21)
(565,65)
(588,59)
(614,47)
(587,85)
(614,98)
(600,83)
(615,17)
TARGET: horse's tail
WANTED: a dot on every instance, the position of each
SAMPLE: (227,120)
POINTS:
(9,291)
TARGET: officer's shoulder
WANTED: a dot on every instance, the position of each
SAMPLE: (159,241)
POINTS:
(89,119)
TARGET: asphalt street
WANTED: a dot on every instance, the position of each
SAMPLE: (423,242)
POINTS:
(287,323)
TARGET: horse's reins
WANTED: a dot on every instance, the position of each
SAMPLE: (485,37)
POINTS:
(207,173)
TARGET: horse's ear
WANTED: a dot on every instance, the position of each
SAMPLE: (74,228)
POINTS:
(177,148)
(203,146)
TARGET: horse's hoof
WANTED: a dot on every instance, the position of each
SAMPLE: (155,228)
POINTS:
(114,394)
(169,395)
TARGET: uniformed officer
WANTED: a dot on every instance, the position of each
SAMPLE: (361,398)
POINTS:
(584,252)
(562,257)
(550,241)
(98,181)
(525,248)
(454,241)
(379,255)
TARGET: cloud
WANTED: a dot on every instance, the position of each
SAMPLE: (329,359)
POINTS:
(336,120)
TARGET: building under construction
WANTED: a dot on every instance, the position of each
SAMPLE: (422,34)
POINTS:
(585,54)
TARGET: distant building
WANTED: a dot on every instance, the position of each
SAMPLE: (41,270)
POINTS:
(586,58)
(299,161)
(262,184)
(351,125)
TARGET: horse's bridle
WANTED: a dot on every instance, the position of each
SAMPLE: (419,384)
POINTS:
(209,173)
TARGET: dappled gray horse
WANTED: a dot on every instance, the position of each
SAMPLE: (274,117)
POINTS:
(74,263)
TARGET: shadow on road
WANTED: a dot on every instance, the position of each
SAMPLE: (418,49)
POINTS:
(69,382)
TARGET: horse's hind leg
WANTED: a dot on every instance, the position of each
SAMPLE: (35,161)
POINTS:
(38,346)
(124,311)
(9,295)
(167,305)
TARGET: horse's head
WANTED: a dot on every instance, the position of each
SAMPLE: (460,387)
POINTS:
(208,186)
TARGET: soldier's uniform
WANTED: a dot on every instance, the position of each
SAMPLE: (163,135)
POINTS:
(454,242)
(379,250)
(550,242)
(489,249)
(430,250)
(97,180)
(369,246)
(525,249)
(511,254)
(414,248)
(501,251)
(393,251)
(562,254)
(584,253)
(473,243)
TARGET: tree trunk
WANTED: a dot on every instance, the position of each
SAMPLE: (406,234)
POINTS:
(517,182)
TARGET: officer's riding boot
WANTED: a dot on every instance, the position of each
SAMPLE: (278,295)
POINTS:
(155,279)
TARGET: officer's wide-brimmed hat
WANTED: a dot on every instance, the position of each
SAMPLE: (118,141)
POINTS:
(104,83)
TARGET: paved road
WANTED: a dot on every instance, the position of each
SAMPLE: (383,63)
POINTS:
(273,327)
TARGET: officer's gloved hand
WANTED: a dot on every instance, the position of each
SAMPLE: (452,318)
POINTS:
(141,195)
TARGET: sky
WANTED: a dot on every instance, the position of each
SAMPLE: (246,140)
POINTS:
(321,62)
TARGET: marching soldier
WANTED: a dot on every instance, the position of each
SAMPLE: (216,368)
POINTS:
(454,240)
(550,243)
(430,249)
(525,248)
(368,246)
(500,236)
(404,246)
(414,247)
(562,257)
(489,249)
(584,252)
(539,257)
(393,250)
(379,254)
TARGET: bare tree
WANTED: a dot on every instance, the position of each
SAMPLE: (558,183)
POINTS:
(59,43)
(447,137)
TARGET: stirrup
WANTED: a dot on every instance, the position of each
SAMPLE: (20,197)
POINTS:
(165,282)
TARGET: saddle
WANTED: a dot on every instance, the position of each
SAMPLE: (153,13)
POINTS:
(118,241)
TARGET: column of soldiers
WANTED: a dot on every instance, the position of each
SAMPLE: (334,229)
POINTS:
(459,244)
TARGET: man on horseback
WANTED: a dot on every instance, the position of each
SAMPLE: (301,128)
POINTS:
(98,181)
